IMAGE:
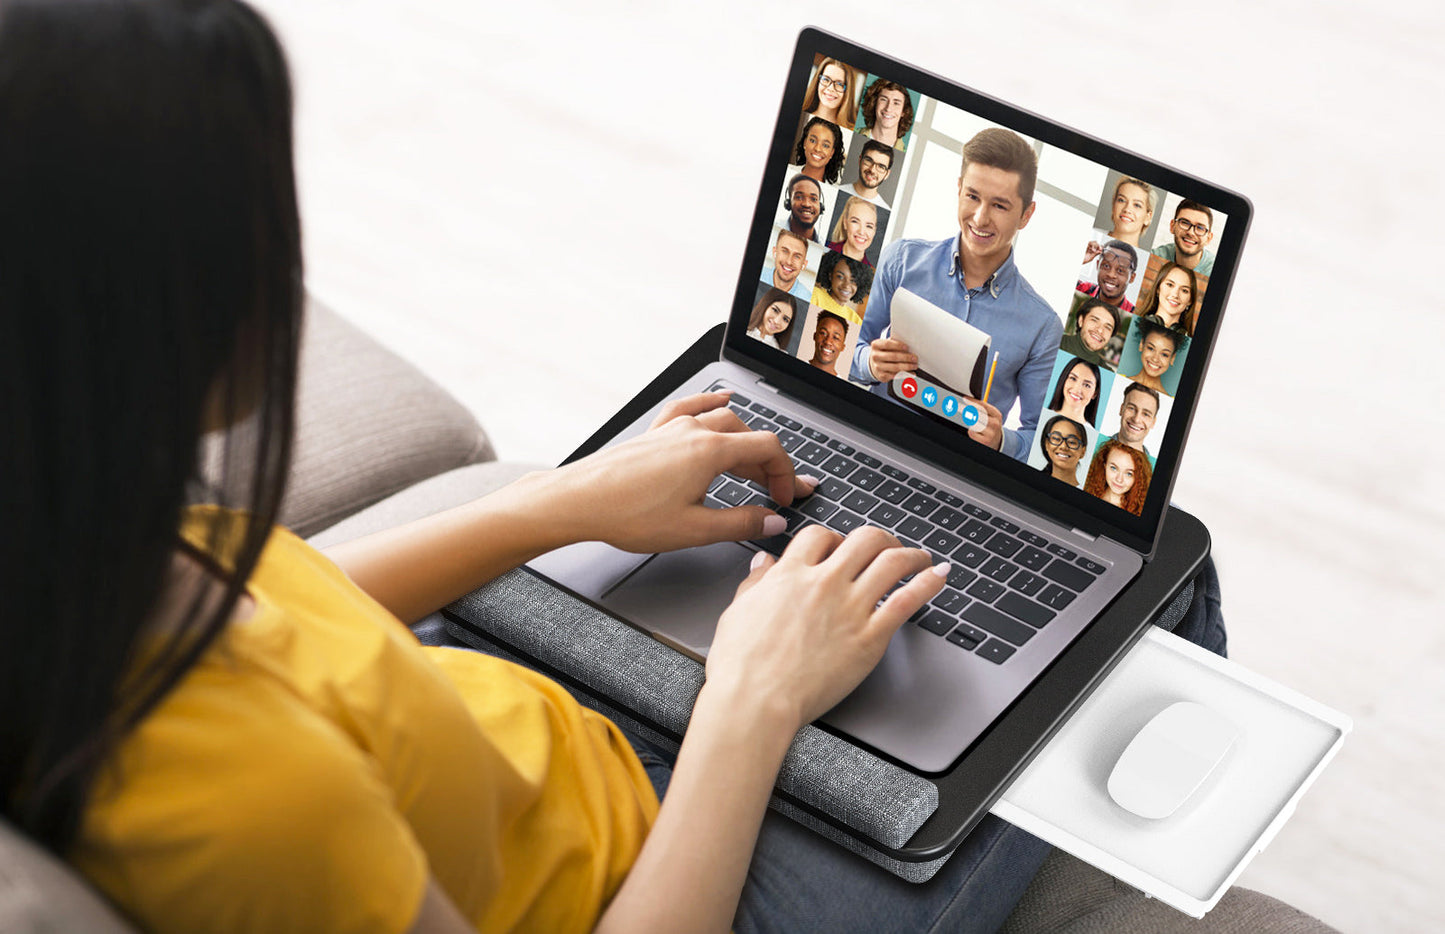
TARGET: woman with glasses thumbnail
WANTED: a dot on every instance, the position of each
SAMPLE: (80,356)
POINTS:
(842,286)
(887,113)
(1119,475)
(773,318)
(1171,302)
(855,230)
(1076,394)
(1063,441)
(832,94)
(820,151)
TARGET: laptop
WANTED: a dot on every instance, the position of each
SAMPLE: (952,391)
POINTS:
(1065,294)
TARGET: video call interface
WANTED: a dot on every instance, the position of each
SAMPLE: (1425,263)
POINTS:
(1067,323)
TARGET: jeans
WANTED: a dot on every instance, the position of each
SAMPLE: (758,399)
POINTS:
(801,882)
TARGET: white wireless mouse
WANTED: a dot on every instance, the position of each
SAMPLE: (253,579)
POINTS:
(1170,759)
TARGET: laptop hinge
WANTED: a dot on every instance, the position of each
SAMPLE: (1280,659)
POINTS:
(1086,536)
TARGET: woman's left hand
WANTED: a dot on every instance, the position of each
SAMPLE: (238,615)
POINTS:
(646,494)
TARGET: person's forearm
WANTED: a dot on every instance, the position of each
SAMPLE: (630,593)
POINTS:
(417,568)
(691,870)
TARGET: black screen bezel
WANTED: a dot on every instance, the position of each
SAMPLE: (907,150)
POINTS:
(941,444)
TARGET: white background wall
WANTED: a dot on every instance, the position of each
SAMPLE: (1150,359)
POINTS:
(510,194)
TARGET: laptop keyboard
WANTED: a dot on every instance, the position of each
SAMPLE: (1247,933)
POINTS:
(1006,583)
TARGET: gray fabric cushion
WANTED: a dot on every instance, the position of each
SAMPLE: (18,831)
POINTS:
(41,895)
(1071,897)
(367,425)
(518,609)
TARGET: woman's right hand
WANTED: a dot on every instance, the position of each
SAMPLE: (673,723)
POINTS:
(804,630)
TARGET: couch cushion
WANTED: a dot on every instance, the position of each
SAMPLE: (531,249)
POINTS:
(368,424)
(40,895)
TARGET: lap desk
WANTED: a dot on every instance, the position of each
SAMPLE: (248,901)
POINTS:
(1046,769)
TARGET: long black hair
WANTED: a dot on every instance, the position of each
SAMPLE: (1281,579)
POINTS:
(150,287)
(1091,410)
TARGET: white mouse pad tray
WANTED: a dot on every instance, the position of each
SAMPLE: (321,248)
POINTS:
(1190,858)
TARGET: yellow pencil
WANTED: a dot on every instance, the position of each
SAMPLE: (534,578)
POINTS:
(991,367)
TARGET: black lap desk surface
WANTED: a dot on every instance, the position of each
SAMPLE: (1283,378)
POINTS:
(968,789)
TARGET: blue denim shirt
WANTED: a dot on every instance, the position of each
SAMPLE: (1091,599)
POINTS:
(1025,331)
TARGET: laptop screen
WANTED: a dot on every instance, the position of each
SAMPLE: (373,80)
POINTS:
(1001,279)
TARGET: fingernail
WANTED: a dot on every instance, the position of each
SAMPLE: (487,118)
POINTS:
(773,525)
(940,569)
(809,479)
(758,560)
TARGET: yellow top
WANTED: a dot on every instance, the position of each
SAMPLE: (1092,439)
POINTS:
(317,764)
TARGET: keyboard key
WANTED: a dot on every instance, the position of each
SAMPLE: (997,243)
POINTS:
(1032,558)
(936,622)
(976,532)
(831,488)
(1027,583)
(960,576)
(717,482)
(796,520)
(1005,627)
(858,501)
(985,590)
(893,472)
(751,420)
(815,434)
(895,493)
(970,555)
(1075,579)
(998,569)
(791,441)
(791,424)
(995,651)
(1003,544)
(866,479)
(922,486)
(774,545)
(841,448)
(1055,597)
(868,460)
(1025,609)
(1038,541)
(955,501)
(761,409)
(999,522)
(950,600)
(978,512)
(1061,551)
(967,637)
(887,516)
(758,499)
(941,541)
(839,466)
(920,505)
(844,521)
(914,528)
(818,509)
(812,453)
(947,518)
(739,399)
(733,493)
(1092,567)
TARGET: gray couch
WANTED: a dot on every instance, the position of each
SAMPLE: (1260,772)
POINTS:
(378,444)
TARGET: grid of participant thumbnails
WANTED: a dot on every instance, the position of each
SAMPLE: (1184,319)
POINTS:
(1104,389)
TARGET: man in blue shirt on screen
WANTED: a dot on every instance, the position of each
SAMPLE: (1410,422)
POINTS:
(973,277)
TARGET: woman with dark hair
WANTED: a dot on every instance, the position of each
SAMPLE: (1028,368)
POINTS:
(842,286)
(1159,349)
(225,729)
(1062,442)
(820,151)
(773,318)
(887,113)
(1076,394)
(1119,475)
(831,94)
(1171,302)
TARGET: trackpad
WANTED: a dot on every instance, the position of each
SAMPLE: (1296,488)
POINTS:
(679,595)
